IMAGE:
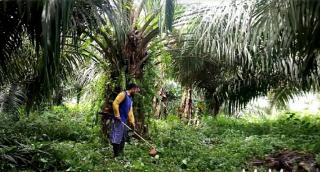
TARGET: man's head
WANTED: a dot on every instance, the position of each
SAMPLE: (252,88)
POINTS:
(133,88)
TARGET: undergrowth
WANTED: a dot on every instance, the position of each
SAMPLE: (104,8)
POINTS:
(64,139)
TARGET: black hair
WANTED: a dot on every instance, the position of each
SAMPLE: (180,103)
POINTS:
(132,85)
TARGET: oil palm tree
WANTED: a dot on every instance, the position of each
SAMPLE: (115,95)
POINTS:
(49,26)
(125,39)
(271,43)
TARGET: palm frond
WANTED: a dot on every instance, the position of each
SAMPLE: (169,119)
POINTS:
(270,43)
(49,25)
(11,98)
(280,97)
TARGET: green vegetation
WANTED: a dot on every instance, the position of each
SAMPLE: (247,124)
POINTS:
(199,67)
(62,139)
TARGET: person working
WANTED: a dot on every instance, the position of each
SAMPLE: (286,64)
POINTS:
(123,113)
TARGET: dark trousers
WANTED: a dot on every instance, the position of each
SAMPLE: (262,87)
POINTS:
(118,148)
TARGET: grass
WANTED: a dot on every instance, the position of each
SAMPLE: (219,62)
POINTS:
(63,139)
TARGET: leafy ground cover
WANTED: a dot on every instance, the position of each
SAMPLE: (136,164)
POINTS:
(64,139)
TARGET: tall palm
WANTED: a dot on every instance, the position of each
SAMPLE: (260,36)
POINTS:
(126,37)
(48,25)
(274,47)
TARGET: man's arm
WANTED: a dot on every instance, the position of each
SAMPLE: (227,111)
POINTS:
(131,117)
(115,105)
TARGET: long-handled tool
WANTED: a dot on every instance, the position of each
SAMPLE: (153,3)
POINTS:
(153,150)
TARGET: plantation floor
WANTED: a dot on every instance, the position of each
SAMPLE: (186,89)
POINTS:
(221,144)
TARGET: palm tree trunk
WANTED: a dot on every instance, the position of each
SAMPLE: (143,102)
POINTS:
(58,96)
(186,104)
(112,90)
(139,107)
(78,95)
(182,104)
(214,105)
(188,107)
(156,107)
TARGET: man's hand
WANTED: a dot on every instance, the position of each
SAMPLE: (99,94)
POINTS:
(131,126)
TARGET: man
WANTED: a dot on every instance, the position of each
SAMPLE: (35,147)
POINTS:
(122,107)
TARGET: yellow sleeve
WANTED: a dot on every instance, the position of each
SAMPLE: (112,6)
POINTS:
(115,105)
(131,116)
